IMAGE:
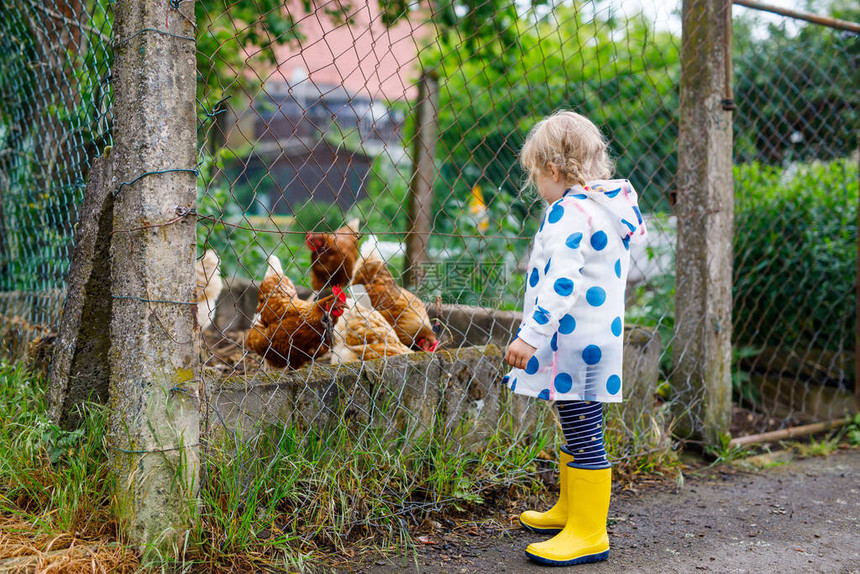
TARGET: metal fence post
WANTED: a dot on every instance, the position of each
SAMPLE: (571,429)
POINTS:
(424,173)
(705,209)
(154,428)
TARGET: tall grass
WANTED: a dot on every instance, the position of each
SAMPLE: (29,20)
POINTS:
(56,493)
(280,491)
(640,447)
(56,480)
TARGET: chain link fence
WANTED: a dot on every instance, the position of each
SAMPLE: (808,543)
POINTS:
(334,134)
(54,118)
(364,133)
(795,241)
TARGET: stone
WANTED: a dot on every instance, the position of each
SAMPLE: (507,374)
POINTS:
(80,369)
(783,397)
(153,431)
(236,305)
(641,371)
(702,342)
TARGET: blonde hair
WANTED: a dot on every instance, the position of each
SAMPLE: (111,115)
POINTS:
(571,142)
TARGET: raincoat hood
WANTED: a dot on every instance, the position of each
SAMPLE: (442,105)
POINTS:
(620,200)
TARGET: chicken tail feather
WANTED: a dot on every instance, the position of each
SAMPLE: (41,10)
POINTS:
(274,266)
(370,249)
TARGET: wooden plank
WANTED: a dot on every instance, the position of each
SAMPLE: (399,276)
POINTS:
(789,433)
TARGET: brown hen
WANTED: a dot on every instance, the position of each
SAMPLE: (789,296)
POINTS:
(364,334)
(402,309)
(333,255)
(288,331)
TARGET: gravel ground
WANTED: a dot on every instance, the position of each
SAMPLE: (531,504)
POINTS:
(782,516)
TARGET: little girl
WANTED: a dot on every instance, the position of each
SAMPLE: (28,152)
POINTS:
(568,348)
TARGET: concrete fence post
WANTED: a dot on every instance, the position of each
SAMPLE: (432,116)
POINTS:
(705,209)
(154,427)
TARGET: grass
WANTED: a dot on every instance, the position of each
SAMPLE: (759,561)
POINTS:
(847,435)
(640,443)
(322,494)
(286,498)
(814,447)
(319,495)
(821,445)
(55,488)
(55,477)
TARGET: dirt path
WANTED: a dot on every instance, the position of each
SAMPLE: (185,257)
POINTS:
(803,516)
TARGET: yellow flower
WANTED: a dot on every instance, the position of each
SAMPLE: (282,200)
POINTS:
(478,208)
(476,202)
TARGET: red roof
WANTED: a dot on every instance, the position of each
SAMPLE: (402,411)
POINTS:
(365,57)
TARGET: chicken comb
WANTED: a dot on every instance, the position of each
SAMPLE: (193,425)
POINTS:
(313,241)
(339,293)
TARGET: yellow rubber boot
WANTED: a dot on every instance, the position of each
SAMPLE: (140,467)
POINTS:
(583,539)
(554,519)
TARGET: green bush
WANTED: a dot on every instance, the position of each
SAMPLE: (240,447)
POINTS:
(795,262)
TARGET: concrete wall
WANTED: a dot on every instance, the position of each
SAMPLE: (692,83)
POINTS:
(453,394)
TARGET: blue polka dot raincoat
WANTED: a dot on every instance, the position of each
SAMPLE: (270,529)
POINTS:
(574,303)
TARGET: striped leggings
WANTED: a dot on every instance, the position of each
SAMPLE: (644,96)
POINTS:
(582,425)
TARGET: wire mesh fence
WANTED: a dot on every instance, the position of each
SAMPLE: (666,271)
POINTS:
(796,181)
(376,151)
(363,234)
(55,117)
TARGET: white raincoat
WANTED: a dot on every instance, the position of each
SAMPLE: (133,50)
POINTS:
(574,303)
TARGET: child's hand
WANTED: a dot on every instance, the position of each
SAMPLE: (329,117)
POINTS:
(518,354)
